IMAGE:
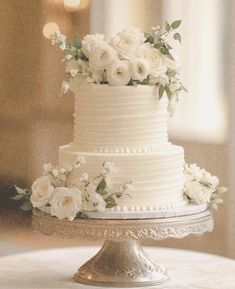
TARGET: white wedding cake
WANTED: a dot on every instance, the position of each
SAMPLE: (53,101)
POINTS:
(128,126)
(121,163)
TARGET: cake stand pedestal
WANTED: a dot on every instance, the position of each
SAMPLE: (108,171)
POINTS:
(122,262)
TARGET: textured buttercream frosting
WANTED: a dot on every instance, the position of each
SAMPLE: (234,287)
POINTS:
(128,126)
(123,119)
(157,178)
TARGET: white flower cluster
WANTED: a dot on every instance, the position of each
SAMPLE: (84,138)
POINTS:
(129,58)
(56,194)
(201,187)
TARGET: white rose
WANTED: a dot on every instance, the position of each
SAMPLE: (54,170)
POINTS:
(90,41)
(101,56)
(139,68)
(118,73)
(127,42)
(66,203)
(198,193)
(42,191)
(154,58)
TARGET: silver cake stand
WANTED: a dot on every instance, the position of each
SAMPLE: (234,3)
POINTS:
(122,261)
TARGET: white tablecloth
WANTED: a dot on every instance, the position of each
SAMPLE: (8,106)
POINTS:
(54,269)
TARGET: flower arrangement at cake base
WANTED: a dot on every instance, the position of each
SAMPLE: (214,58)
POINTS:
(59,193)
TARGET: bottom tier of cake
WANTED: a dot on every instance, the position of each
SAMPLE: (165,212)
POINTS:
(157,178)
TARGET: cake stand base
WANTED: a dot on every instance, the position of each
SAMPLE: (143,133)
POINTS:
(121,264)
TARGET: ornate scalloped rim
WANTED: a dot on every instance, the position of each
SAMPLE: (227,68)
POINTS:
(118,230)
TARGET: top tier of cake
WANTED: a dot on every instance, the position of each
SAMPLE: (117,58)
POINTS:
(129,119)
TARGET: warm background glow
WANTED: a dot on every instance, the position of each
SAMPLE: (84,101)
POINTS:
(35,122)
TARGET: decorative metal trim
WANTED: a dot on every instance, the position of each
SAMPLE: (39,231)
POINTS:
(119,230)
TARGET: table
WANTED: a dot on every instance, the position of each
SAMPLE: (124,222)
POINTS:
(54,268)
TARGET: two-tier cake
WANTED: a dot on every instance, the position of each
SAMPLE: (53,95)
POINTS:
(128,126)
(120,161)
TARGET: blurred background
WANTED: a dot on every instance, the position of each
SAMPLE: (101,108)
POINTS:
(35,122)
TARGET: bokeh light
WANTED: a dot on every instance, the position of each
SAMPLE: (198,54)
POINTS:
(50,28)
(71,5)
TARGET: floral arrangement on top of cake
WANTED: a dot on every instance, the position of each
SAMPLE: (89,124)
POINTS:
(131,57)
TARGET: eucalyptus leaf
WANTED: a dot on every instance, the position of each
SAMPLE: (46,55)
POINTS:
(175,24)
(110,202)
(150,39)
(177,37)
(145,81)
(110,199)
(110,205)
(158,45)
(18,197)
(168,92)
(101,187)
(164,50)
(26,206)
(161,91)
(78,42)
(20,191)
(167,26)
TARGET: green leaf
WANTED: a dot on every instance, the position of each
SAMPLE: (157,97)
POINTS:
(110,202)
(26,206)
(110,205)
(101,187)
(150,39)
(161,91)
(167,26)
(18,197)
(164,50)
(82,215)
(175,24)
(78,42)
(21,191)
(168,92)
(158,45)
(177,37)
(145,81)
